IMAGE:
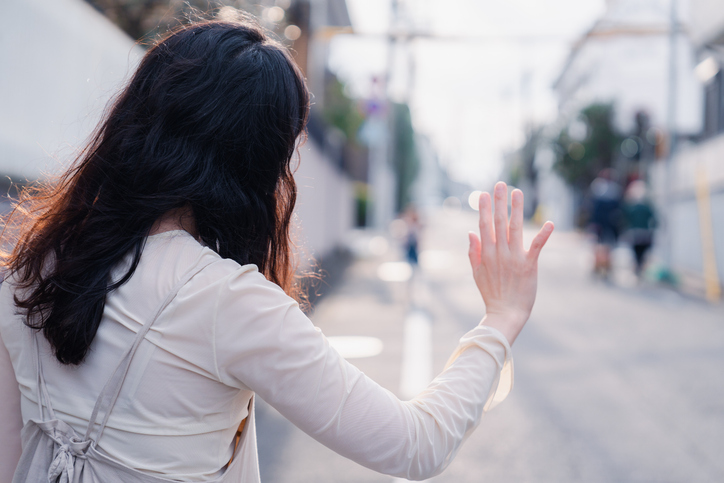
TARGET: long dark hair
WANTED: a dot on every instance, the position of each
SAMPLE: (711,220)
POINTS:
(209,123)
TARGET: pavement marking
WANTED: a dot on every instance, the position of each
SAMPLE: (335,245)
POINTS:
(416,358)
(416,354)
(394,271)
(356,347)
(436,259)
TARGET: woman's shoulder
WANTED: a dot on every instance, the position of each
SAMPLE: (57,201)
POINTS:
(167,259)
(174,254)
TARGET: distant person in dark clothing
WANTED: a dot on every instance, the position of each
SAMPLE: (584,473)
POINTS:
(412,238)
(640,222)
(605,220)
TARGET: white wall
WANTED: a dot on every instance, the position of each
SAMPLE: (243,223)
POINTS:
(686,246)
(60,62)
(325,204)
(707,20)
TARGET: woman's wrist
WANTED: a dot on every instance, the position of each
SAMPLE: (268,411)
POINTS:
(509,325)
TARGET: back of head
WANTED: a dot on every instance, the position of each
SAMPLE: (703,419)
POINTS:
(208,123)
(211,97)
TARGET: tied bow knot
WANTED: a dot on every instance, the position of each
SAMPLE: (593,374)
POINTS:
(62,468)
(68,447)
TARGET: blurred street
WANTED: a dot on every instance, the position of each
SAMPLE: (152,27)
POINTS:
(615,382)
(608,114)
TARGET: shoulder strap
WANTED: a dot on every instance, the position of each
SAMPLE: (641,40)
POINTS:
(43,397)
(109,395)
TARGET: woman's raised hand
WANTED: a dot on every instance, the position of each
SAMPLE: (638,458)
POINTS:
(505,272)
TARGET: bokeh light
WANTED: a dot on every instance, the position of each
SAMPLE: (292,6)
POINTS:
(576,151)
(292,32)
(474,199)
(274,14)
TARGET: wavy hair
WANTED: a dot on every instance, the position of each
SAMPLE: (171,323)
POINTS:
(208,123)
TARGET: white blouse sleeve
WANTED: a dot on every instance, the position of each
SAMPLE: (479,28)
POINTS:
(264,342)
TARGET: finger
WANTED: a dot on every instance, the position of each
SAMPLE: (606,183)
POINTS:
(515,231)
(501,216)
(487,234)
(540,240)
(474,251)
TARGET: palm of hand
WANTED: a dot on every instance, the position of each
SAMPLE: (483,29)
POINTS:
(505,273)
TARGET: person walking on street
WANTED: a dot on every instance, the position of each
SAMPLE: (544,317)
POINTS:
(640,222)
(413,232)
(605,220)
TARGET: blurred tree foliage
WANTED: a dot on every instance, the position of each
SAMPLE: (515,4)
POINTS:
(142,19)
(341,111)
(583,153)
(404,153)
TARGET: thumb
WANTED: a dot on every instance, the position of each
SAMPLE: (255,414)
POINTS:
(540,240)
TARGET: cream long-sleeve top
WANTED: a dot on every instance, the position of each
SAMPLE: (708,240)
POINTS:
(228,334)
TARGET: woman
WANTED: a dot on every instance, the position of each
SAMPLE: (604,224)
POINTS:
(148,298)
(640,222)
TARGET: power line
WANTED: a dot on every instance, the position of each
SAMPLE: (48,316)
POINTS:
(411,35)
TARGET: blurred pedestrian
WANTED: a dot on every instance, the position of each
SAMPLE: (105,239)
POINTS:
(605,219)
(640,222)
(148,300)
(413,226)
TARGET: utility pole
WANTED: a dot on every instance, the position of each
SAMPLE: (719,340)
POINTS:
(672,138)
(381,175)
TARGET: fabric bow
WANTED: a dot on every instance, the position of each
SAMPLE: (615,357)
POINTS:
(62,468)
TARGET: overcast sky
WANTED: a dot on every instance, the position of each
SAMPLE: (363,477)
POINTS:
(487,74)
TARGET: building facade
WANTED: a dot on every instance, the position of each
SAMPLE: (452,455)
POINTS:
(694,181)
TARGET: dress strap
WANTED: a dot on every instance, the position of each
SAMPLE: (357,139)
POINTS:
(43,397)
(109,395)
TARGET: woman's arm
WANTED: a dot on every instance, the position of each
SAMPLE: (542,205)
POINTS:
(11,421)
(265,343)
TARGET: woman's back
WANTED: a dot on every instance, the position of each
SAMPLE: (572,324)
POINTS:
(172,402)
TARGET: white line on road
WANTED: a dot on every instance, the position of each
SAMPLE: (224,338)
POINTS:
(416,354)
(416,357)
